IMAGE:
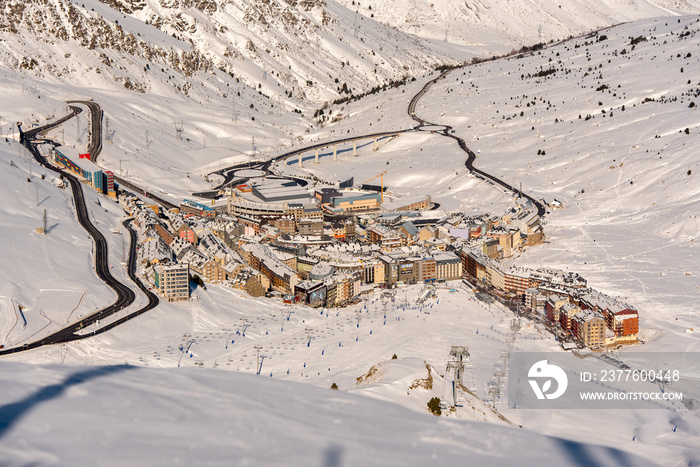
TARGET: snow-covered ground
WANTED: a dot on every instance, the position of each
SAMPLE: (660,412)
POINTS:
(51,277)
(322,347)
(627,178)
(635,239)
(496,26)
(146,417)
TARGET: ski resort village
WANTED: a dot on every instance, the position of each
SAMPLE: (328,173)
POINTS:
(283,249)
(333,232)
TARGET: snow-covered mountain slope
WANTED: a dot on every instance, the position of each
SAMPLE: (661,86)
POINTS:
(238,78)
(289,52)
(498,25)
(649,258)
(598,123)
(609,126)
(118,415)
(48,279)
(412,382)
(340,351)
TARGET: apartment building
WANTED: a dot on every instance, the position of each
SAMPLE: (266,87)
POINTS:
(588,328)
(448,266)
(172,281)
(517,280)
(308,226)
(620,317)
(566,315)
(553,306)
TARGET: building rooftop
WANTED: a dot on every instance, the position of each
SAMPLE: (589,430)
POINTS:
(196,205)
(605,302)
(350,196)
(322,269)
(87,165)
(273,190)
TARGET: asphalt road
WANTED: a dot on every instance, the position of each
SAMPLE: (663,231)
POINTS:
(153,300)
(445,130)
(423,125)
(95,149)
(125,296)
(229,172)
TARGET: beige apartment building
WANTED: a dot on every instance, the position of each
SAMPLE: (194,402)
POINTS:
(172,281)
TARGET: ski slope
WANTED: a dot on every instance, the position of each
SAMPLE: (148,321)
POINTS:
(636,240)
(146,417)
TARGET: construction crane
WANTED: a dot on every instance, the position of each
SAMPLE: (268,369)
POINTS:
(382,181)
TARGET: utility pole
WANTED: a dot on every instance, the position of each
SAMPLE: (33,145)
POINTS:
(461,362)
(493,390)
(456,367)
(185,348)
(42,230)
(244,325)
(179,126)
(257,348)
(499,375)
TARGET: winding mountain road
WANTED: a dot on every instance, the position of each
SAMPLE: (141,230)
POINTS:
(229,172)
(471,157)
(96,147)
(423,125)
(125,296)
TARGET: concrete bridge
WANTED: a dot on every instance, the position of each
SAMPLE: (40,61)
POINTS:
(298,155)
